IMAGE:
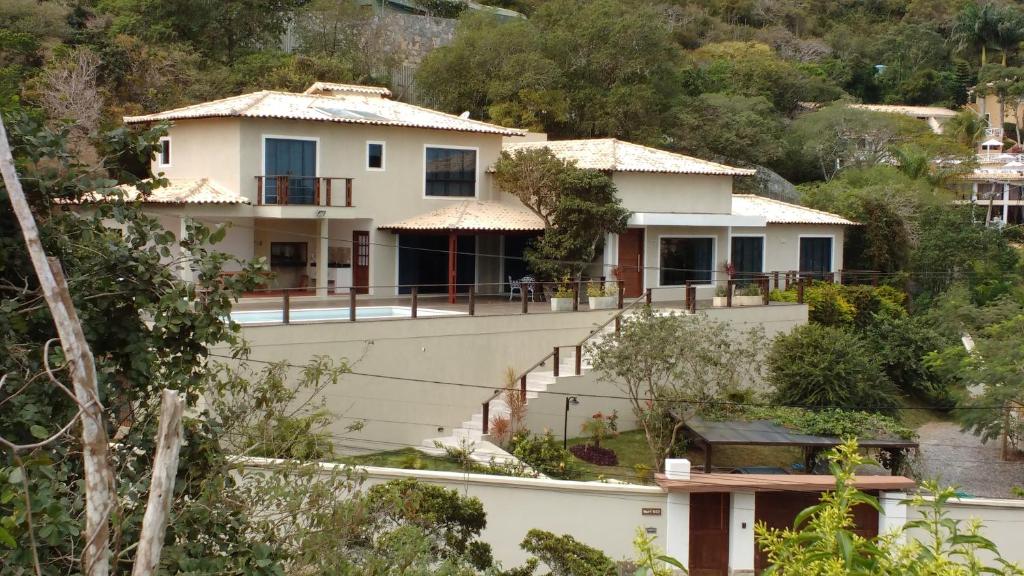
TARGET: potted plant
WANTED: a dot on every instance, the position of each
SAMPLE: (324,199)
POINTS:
(721,297)
(561,300)
(602,295)
(749,295)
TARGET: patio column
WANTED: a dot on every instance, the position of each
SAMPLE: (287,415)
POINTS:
(677,521)
(893,515)
(741,533)
(453,246)
(321,257)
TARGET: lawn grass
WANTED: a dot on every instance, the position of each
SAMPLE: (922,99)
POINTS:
(407,458)
(631,448)
(916,414)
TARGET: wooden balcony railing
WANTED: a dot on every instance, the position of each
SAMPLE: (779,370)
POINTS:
(301,191)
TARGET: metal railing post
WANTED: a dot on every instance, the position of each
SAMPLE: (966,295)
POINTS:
(522,388)
(329,201)
(620,284)
(765,290)
(618,324)
(352,304)
(776,275)
(522,293)
(259,190)
(800,291)
(692,299)
(348,192)
(472,300)
(576,297)
(286,310)
(728,292)
(555,360)
(647,297)
(579,359)
(486,417)
(415,300)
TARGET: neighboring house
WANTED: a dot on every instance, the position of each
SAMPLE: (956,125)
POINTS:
(390,195)
(934,116)
(996,186)
(687,225)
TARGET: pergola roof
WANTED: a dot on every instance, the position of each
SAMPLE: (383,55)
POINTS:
(765,433)
(717,482)
(472,216)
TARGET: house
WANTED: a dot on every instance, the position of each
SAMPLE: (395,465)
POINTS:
(342,188)
(687,225)
(996,186)
(934,116)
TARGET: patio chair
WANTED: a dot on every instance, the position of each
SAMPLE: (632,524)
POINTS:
(517,286)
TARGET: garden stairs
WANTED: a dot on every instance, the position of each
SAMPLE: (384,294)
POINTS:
(538,380)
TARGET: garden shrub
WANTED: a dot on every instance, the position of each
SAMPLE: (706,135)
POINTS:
(827,422)
(827,304)
(545,454)
(902,345)
(819,366)
(595,454)
(566,556)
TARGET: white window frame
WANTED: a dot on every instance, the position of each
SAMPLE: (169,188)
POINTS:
(832,257)
(714,259)
(764,247)
(476,171)
(383,157)
(160,152)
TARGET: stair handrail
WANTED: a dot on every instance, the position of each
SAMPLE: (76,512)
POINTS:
(521,376)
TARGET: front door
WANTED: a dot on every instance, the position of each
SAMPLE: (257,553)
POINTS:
(631,262)
(360,260)
(709,534)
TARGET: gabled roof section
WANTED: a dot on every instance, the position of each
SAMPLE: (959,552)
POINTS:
(340,103)
(335,88)
(473,215)
(197,191)
(778,212)
(612,155)
(919,111)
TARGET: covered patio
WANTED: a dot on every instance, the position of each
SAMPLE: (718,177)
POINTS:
(474,236)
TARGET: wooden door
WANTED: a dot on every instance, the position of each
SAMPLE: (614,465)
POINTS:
(709,534)
(631,261)
(361,261)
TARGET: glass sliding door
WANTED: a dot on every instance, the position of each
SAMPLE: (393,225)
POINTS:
(687,260)
(747,256)
(816,257)
(290,169)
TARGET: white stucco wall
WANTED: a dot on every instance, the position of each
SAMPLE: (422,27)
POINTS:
(691,193)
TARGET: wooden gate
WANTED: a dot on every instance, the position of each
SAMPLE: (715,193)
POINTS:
(709,534)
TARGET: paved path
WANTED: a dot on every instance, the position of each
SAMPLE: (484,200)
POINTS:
(955,457)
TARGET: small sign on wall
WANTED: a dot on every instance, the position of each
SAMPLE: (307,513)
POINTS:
(650,511)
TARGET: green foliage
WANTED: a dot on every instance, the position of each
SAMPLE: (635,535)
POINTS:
(670,365)
(728,126)
(823,540)
(545,454)
(579,208)
(818,366)
(566,556)
(599,427)
(827,422)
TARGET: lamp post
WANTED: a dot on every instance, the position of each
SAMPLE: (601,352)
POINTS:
(569,400)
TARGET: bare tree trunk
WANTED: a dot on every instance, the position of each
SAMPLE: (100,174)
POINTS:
(98,475)
(161,487)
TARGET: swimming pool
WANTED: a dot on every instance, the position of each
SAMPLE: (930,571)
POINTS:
(335,314)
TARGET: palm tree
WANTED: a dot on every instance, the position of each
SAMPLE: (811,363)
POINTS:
(976,26)
(1009,30)
(966,128)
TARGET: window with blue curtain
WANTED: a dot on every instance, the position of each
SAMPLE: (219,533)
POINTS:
(451,172)
(294,159)
(747,256)
(687,260)
(816,256)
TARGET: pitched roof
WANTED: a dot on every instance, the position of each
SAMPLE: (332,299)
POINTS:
(778,212)
(473,215)
(192,191)
(933,111)
(326,102)
(615,155)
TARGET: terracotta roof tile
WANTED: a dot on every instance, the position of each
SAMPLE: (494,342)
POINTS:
(613,155)
(195,191)
(473,215)
(778,212)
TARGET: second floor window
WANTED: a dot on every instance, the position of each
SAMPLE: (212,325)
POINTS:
(374,155)
(451,172)
(164,153)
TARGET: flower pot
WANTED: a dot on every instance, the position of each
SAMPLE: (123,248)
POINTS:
(602,302)
(720,301)
(747,300)
(561,304)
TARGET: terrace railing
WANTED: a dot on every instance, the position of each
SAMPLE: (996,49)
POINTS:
(289,190)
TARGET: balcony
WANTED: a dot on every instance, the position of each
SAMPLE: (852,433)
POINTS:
(290,190)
